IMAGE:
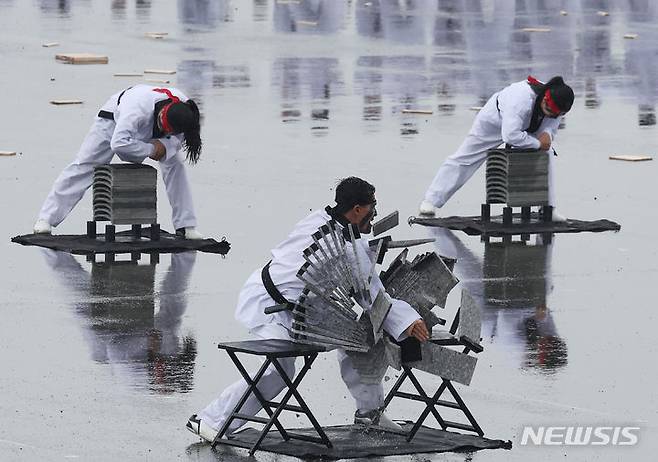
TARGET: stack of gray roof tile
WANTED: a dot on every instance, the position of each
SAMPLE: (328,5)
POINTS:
(423,283)
(517,178)
(125,194)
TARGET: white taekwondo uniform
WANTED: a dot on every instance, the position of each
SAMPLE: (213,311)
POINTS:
(504,118)
(287,259)
(128,137)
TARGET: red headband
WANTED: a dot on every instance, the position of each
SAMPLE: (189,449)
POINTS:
(174,99)
(533,81)
(550,103)
(549,99)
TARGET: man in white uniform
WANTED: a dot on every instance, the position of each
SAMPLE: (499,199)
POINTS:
(355,200)
(138,123)
(524,115)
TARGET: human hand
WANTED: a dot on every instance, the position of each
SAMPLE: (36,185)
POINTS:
(545,140)
(159,152)
(418,330)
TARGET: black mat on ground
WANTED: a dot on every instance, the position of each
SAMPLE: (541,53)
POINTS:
(350,441)
(495,227)
(125,242)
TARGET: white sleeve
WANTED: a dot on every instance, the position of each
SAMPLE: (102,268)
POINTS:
(172,145)
(513,132)
(550,125)
(124,140)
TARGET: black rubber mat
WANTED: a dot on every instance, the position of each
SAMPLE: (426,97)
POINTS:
(125,242)
(475,226)
(351,441)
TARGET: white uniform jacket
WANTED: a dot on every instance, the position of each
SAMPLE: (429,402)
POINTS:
(134,118)
(287,259)
(508,112)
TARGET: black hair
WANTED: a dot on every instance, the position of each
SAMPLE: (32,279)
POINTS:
(353,191)
(561,93)
(185,118)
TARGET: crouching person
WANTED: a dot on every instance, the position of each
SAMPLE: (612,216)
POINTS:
(276,282)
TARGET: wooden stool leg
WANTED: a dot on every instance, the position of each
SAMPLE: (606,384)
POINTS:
(91,229)
(110,231)
(547,213)
(154,258)
(525,213)
(155,232)
(485,212)
(507,215)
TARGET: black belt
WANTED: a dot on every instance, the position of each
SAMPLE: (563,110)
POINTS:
(106,115)
(110,115)
(271,289)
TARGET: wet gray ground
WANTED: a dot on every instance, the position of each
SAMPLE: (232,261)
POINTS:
(107,362)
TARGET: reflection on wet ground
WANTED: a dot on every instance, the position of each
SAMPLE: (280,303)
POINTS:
(512,281)
(295,94)
(129,324)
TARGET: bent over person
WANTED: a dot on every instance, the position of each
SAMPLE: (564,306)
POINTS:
(523,115)
(135,124)
(355,204)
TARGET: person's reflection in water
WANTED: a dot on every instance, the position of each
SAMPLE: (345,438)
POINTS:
(196,76)
(368,16)
(204,14)
(117,303)
(309,16)
(552,50)
(368,82)
(405,21)
(511,285)
(143,9)
(313,79)
(118,8)
(60,7)
(520,50)
(641,56)
(260,10)
(449,24)
(594,60)
(487,43)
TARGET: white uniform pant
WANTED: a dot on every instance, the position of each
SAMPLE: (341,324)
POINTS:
(367,396)
(76,178)
(460,167)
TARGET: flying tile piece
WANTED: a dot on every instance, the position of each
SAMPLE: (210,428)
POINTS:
(63,102)
(536,29)
(156,35)
(417,111)
(159,71)
(446,363)
(423,283)
(630,158)
(388,222)
(81,58)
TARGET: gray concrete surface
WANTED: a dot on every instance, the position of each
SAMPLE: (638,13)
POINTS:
(102,364)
